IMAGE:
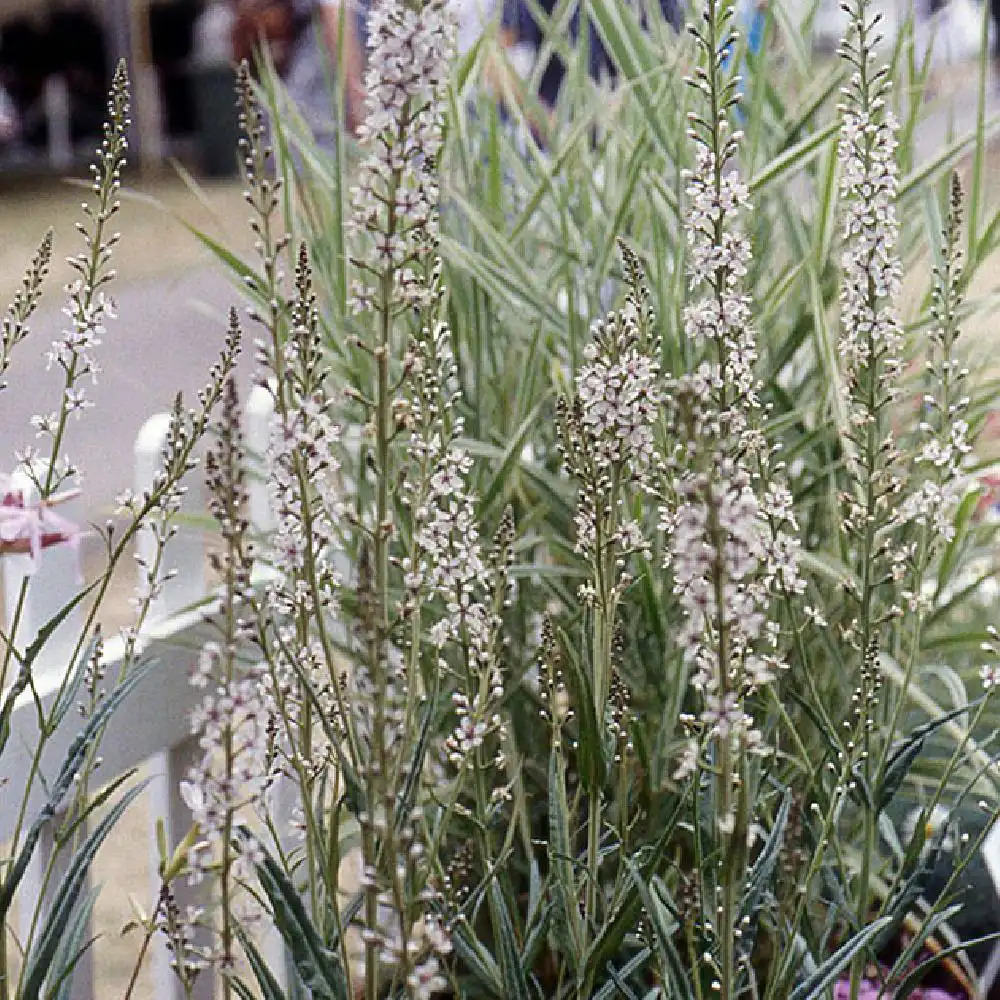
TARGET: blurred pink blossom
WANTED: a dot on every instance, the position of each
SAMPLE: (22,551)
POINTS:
(29,528)
(873,990)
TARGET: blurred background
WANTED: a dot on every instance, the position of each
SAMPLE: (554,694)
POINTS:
(56,60)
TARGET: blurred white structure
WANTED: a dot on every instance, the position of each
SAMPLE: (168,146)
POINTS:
(152,727)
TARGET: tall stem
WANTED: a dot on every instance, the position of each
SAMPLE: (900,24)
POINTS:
(870,460)
(381,542)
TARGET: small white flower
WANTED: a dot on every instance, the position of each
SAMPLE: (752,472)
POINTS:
(990,674)
(193,796)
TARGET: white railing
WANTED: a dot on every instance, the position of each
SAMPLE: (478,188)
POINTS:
(151,728)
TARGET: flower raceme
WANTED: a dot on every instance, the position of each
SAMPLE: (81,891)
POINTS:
(728,518)
(396,198)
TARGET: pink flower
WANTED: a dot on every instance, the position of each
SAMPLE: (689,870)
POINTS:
(29,528)
(872,990)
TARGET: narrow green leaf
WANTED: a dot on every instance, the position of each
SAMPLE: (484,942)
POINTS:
(945,159)
(317,964)
(27,662)
(494,492)
(566,919)
(270,988)
(617,985)
(239,268)
(534,939)
(72,762)
(664,928)
(73,945)
(592,764)
(919,974)
(951,556)
(630,48)
(514,983)
(830,568)
(793,159)
(416,764)
(901,759)
(39,963)
(815,985)
(476,959)
(761,875)
(629,904)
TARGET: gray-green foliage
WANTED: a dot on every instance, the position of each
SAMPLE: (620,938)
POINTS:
(529,248)
(605,871)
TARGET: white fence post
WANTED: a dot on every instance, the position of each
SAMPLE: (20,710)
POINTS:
(51,583)
(257,416)
(184,554)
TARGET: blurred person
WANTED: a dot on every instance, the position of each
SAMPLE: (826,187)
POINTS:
(77,51)
(471,18)
(522,35)
(263,22)
(311,43)
(212,77)
(213,34)
(10,125)
(519,27)
(23,68)
(67,43)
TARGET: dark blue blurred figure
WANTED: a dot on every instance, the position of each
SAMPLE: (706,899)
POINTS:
(995,12)
(518,26)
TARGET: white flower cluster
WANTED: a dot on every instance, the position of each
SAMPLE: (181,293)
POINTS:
(413,945)
(74,351)
(396,198)
(718,260)
(89,308)
(717,546)
(933,503)
(606,434)
(731,532)
(477,718)
(943,442)
(450,564)
(426,980)
(731,552)
(872,273)
(304,547)
(232,728)
(619,392)
(303,468)
(447,561)
(181,930)
(989,672)
(306,502)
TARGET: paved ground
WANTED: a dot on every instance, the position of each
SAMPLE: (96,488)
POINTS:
(172,305)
